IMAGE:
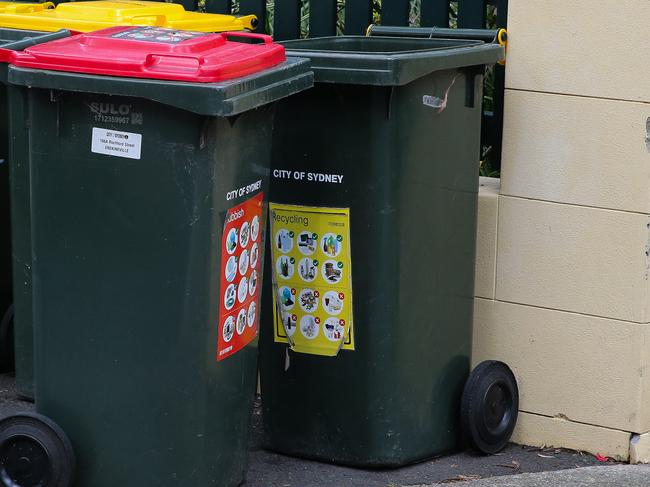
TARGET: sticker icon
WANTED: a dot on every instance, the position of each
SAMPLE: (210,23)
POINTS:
(231,241)
(308,269)
(228,329)
(289,322)
(255,254)
(252,283)
(307,242)
(308,327)
(334,330)
(229,296)
(255,228)
(331,271)
(308,300)
(286,297)
(244,234)
(243,290)
(231,268)
(284,240)
(285,267)
(241,321)
(333,302)
(252,309)
(243,262)
(331,244)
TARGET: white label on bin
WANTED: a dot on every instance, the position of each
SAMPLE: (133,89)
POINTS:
(116,143)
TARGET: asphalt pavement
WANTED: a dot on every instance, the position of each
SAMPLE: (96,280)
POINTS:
(268,469)
(615,476)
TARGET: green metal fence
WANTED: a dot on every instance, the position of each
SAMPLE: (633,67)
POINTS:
(291,19)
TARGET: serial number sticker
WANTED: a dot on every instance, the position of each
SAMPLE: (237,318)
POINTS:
(116,143)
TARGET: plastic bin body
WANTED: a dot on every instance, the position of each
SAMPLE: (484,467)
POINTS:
(127,268)
(410,180)
(10,39)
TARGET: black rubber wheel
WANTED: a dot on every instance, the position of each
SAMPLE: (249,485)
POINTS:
(34,452)
(7,340)
(489,407)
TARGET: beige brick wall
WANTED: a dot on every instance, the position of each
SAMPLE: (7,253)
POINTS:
(580,47)
(564,297)
(577,150)
(581,368)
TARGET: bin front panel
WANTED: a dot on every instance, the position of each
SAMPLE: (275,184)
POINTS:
(410,181)
(127,265)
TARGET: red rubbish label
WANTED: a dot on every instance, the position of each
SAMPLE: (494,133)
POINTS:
(241,255)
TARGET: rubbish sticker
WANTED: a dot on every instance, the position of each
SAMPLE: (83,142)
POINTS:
(241,255)
(312,278)
(116,143)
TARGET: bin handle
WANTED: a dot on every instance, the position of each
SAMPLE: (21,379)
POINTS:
(153,60)
(159,20)
(249,21)
(7,55)
(29,8)
(250,35)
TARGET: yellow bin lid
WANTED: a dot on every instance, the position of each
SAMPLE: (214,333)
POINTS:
(98,14)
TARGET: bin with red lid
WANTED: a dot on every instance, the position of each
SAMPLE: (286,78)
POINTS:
(149,163)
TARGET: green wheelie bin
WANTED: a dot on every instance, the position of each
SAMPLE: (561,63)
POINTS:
(17,40)
(149,177)
(84,16)
(367,320)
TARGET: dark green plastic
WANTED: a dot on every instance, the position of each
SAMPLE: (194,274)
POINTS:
(126,271)
(16,40)
(410,179)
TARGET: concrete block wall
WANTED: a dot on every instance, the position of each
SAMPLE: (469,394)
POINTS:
(564,245)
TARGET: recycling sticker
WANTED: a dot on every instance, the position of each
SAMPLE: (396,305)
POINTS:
(312,278)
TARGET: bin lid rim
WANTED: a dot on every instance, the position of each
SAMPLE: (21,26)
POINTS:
(419,45)
(222,98)
(395,68)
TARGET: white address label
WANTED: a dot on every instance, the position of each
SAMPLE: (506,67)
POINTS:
(116,143)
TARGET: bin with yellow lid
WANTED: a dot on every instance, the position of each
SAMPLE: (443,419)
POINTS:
(99,14)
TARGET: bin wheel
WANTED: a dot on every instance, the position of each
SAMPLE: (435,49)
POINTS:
(7,339)
(489,406)
(34,452)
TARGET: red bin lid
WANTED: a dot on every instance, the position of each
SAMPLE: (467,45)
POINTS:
(155,52)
